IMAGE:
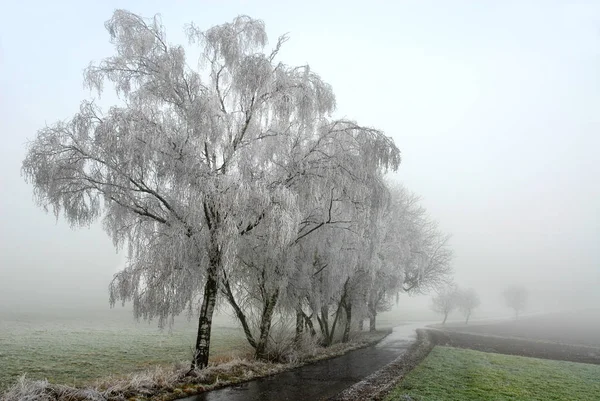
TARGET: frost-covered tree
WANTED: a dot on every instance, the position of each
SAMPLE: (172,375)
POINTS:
(467,301)
(255,284)
(194,160)
(337,174)
(411,255)
(516,298)
(326,265)
(351,274)
(446,301)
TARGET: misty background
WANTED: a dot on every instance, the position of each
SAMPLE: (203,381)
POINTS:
(494,106)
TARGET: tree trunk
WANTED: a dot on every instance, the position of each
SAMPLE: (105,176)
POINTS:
(372,309)
(238,312)
(468,316)
(361,324)
(333,326)
(299,323)
(372,322)
(341,304)
(324,324)
(309,324)
(346,336)
(265,325)
(200,360)
(445,317)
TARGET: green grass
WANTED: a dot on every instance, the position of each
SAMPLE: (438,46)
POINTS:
(75,347)
(75,350)
(459,374)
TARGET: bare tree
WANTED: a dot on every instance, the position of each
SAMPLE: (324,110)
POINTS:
(516,298)
(467,301)
(446,301)
(194,160)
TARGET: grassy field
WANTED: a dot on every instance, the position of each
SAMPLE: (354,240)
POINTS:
(78,346)
(460,374)
(70,348)
(74,346)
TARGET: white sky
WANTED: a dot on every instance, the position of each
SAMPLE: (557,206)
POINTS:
(494,105)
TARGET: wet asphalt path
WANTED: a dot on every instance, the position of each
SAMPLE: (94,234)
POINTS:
(322,379)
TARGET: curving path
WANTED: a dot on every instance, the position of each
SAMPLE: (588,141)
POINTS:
(322,379)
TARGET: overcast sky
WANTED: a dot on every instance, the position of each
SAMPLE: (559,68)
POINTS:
(495,106)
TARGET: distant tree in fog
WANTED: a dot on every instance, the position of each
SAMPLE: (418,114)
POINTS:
(467,301)
(516,298)
(446,301)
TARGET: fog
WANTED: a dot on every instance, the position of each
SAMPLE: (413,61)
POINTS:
(494,106)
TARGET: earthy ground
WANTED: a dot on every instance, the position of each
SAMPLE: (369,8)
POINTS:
(578,328)
(573,336)
(517,346)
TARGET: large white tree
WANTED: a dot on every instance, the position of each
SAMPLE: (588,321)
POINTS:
(196,159)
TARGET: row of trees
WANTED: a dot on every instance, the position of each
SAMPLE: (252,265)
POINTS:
(233,183)
(452,297)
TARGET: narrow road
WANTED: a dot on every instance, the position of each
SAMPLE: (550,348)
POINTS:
(322,379)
